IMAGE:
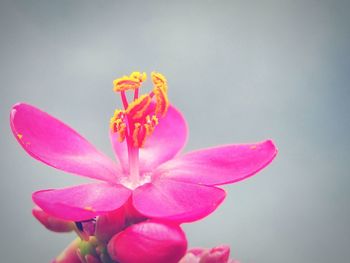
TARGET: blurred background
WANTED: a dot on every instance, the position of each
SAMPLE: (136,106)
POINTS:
(240,71)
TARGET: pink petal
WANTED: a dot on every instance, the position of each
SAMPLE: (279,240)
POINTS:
(110,224)
(169,137)
(177,201)
(149,242)
(189,258)
(52,223)
(218,254)
(220,165)
(132,215)
(197,251)
(82,202)
(54,143)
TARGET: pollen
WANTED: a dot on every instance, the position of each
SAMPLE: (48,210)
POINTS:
(20,136)
(131,82)
(162,101)
(118,125)
(160,81)
(160,91)
(139,76)
(138,107)
(253,147)
(151,123)
(139,135)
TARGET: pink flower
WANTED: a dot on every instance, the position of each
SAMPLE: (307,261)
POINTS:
(147,137)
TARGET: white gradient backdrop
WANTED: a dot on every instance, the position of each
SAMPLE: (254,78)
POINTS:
(240,71)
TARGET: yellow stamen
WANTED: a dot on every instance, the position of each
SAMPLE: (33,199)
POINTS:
(140,117)
(137,108)
(20,136)
(115,119)
(117,125)
(133,81)
(154,120)
(160,81)
(151,124)
(162,101)
(160,91)
(139,76)
(122,132)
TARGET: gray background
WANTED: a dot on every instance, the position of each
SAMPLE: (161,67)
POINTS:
(240,71)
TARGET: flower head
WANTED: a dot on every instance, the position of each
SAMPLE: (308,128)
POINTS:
(147,136)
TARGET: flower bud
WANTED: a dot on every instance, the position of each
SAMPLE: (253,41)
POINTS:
(150,241)
(52,223)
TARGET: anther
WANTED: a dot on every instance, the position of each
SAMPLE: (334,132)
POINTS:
(133,82)
(139,135)
(160,91)
(118,125)
(160,81)
(138,107)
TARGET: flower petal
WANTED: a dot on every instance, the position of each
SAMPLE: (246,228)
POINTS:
(189,258)
(52,223)
(149,242)
(219,254)
(110,224)
(54,143)
(82,202)
(177,201)
(157,149)
(220,165)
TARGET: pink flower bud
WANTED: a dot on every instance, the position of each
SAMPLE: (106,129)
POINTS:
(150,241)
(52,223)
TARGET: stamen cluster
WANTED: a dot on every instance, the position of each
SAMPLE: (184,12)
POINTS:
(140,117)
